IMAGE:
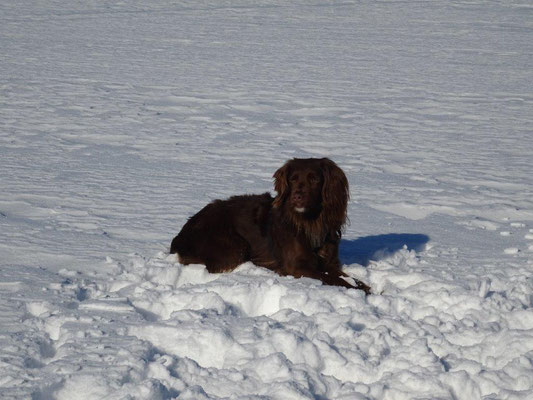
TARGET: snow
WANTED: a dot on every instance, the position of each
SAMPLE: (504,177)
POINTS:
(119,120)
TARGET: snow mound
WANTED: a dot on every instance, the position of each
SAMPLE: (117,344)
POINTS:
(157,329)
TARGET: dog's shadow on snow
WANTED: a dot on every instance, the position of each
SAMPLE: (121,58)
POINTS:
(374,248)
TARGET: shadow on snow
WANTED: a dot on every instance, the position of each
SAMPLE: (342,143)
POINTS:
(374,248)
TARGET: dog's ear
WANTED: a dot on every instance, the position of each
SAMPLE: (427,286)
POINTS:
(281,184)
(335,192)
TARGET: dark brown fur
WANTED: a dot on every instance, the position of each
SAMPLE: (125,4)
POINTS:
(296,233)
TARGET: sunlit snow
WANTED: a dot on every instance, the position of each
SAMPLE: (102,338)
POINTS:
(119,120)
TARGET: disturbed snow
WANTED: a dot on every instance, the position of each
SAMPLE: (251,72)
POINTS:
(120,120)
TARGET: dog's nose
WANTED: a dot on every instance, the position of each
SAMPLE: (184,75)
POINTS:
(298,196)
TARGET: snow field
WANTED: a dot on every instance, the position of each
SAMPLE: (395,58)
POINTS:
(118,120)
(252,333)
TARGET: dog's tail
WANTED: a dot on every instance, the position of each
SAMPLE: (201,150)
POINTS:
(174,246)
(181,248)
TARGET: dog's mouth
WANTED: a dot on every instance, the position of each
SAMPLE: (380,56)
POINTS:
(299,202)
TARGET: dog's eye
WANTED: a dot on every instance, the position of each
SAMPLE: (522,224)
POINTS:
(313,178)
(294,178)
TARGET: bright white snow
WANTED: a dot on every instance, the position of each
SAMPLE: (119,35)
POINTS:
(118,120)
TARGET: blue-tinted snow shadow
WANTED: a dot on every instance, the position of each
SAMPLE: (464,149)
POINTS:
(374,248)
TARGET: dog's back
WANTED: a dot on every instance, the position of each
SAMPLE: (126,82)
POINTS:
(227,233)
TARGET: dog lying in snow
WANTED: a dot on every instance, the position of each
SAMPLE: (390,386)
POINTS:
(296,233)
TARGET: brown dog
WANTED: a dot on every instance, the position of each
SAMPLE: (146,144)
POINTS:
(296,233)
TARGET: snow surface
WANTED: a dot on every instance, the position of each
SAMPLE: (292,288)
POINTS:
(118,120)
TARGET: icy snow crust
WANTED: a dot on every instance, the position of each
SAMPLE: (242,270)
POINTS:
(118,120)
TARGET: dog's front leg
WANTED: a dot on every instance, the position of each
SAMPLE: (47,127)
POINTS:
(330,264)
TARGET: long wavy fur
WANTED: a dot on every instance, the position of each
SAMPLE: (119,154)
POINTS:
(335,195)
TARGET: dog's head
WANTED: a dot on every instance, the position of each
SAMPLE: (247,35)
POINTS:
(311,187)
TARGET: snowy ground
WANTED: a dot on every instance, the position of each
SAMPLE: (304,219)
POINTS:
(118,120)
